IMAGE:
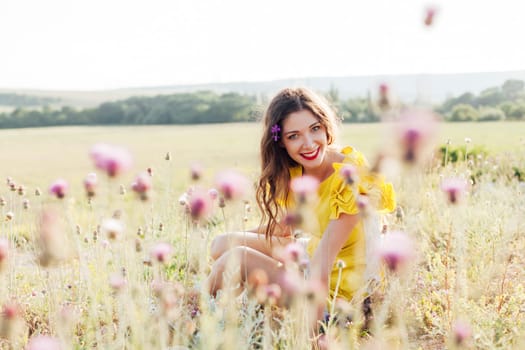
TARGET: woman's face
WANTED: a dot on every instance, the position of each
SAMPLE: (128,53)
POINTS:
(304,138)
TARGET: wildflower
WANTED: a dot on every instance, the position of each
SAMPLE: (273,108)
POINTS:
(2,202)
(11,320)
(396,250)
(59,188)
(37,192)
(4,252)
(162,252)
(384,101)
(183,199)
(415,130)
(90,184)
(21,190)
(142,185)
(214,194)
(25,203)
(43,342)
(168,156)
(349,173)
(199,204)
(273,293)
(430,13)
(9,216)
(122,190)
(117,282)
(468,140)
(231,184)
(196,170)
(293,219)
(112,228)
(294,252)
(304,187)
(462,332)
(149,171)
(454,188)
(113,160)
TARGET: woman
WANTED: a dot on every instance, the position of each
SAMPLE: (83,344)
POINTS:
(298,140)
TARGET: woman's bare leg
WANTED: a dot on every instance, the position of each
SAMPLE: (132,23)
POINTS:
(224,242)
(248,259)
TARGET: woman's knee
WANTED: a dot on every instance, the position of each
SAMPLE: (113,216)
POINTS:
(221,244)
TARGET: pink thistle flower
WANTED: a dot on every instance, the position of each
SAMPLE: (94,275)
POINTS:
(196,171)
(454,188)
(162,252)
(112,228)
(59,188)
(43,342)
(415,131)
(349,173)
(117,282)
(9,216)
(231,184)
(25,203)
(200,204)
(462,332)
(11,320)
(294,252)
(430,13)
(396,250)
(4,252)
(90,184)
(304,187)
(114,160)
(272,292)
(142,185)
(214,194)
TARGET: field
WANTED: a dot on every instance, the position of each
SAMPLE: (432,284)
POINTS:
(104,289)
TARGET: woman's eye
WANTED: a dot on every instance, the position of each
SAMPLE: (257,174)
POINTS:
(317,127)
(292,137)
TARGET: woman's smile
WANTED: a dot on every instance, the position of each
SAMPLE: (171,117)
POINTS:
(310,155)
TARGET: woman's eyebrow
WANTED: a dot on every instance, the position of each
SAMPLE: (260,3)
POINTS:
(292,131)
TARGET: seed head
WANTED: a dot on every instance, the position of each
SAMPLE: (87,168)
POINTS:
(59,188)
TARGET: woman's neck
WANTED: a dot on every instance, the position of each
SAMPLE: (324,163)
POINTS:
(323,171)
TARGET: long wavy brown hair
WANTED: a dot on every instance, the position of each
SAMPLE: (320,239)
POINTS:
(273,187)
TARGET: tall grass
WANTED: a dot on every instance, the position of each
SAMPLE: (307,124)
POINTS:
(112,294)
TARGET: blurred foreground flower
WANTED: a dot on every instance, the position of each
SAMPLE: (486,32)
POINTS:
(415,130)
(59,188)
(90,184)
(112,228)
(11,320)
(461,332)
(430,13)
(4,252)
(161,252)
(349,173)
(304,187)
(455,189)
(231,184)
(43,342)
(114,160)
(199,204)
(396,250)
(142,185)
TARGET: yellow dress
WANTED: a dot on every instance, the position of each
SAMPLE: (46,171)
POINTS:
(336,197)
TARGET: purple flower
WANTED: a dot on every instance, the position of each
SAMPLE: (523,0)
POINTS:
(113,160)
(304,187)
(396,250)
(142,184)
(349,173)
(199,204)
(59,188)
(231,184)
(415,130)
(454,188)
(162,252)
(90,184)
(462,332)
(275,132)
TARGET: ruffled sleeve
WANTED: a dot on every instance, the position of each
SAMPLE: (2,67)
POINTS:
(343,198)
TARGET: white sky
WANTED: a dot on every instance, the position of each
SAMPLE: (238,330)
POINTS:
(100,44)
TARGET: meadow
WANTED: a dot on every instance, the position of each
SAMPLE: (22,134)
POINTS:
(114,271)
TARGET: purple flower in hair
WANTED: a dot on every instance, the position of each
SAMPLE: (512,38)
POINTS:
(275,132)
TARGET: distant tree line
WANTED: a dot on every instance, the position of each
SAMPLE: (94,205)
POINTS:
(17,100)
(498,103)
